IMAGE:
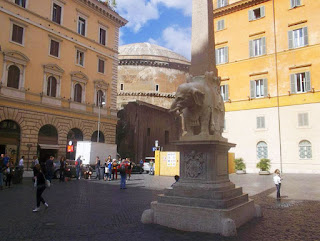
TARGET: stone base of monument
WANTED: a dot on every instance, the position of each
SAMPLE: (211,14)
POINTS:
(204,200)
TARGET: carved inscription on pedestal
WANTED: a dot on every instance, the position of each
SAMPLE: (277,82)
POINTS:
(195,165)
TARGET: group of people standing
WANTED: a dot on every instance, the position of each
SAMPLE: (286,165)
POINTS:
(6,169)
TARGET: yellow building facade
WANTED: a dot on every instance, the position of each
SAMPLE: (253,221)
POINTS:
(267,54)
(59,63)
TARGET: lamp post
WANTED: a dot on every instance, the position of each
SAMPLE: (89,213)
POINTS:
(101,102)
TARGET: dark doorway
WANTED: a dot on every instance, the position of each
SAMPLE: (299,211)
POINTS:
(10,139)
(48,142)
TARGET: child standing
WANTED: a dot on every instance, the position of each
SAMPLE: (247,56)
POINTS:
(277,181)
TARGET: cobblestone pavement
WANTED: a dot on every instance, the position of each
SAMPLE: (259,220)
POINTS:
(97,210)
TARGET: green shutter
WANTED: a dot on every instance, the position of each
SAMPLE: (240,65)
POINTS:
(308,81)
(252,89)
(290,38)
(305,35)
(263,42)
(265,87)
(251,48)
(262,11)
(293,83)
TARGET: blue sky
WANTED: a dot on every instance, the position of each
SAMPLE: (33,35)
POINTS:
(163,22)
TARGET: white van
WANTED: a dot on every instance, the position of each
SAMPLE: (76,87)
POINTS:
(146,164)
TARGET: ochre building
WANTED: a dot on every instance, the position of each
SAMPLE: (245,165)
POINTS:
(149,73)
(59,60)
(268,56)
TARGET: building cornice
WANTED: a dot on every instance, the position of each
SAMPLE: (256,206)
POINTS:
(154,63)
(237,6)
(150,94)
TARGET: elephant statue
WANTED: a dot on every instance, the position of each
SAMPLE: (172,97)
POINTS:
(202,107)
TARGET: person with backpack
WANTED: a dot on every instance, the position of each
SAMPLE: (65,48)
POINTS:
(40,184)
(123,174)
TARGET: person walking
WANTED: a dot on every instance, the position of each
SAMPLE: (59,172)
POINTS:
(98,164)
(49,168)
(62,168)
(78,168)
(277,181)
(40,184)
(123,175)
(109,170)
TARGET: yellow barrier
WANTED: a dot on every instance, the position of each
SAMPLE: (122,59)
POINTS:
(231,168)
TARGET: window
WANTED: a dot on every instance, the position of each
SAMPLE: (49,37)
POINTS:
(157,88)
(13,77)
(77,93)
(298,38)
(103,36)
(222,55)
(305,150)
(224,90)
(295,3)
(121,86)
(220,25)
(81,26)
(101,66)
(52,87)
(56,13)
(17,34)
(257,13)
(100,98)
(300,82)
(261,122)
(54,48)
(262,150)
(21,3)
(257,47)
(303,119)
(80,58)
(222,3)
(258,88)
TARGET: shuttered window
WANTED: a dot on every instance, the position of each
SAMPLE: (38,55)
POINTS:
(224,90)
(257,47)
(295,3)
(17,34)
(257,13)
(300,82)
(261,122)
(258,88)
(220,25)
(303,119)
(298,38)
(54,48)
(222,55)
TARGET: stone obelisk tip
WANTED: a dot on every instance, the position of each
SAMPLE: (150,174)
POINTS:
(202,43)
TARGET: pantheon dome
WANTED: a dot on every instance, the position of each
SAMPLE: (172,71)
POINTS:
(149,73)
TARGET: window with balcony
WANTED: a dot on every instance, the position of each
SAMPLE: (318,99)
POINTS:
(224,91)
(305,150)
(257,47)
(222,55)
(257,13)
(298,38)
(300,82)
(258,88)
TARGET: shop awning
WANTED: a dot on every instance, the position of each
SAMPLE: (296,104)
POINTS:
(48,146)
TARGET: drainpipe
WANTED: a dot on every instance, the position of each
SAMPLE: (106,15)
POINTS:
(277,81)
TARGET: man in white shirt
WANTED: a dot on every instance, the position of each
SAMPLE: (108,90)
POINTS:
(21,162)
(277,181)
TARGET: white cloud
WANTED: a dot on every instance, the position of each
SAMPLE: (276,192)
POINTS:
(175,38)
(184,5)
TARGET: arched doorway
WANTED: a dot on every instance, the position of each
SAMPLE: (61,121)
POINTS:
(74,135)
(94,137)
(10,139)
(48,142)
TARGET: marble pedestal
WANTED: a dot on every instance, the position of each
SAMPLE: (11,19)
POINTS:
(204,199)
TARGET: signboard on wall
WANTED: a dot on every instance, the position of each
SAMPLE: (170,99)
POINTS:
(171,159)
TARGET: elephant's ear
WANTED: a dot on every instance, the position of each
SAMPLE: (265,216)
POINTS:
(198,96)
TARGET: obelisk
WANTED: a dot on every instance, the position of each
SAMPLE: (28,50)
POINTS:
(202,42)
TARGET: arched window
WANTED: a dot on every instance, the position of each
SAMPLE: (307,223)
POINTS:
(52,86)
(13,77)
(77,93)
(100,98)
(262,150)
(305,150)
(94,137)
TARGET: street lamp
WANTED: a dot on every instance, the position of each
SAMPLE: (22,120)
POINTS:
(101,102)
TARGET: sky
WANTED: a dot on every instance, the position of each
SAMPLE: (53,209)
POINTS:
(162,22)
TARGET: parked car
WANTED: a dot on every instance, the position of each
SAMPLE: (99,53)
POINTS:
(146,164)
(70,170)
(135,168)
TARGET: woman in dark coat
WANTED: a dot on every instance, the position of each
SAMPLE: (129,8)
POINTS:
(40,183)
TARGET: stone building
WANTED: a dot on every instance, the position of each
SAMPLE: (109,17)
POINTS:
(59,59)
(149,73)
(267,54)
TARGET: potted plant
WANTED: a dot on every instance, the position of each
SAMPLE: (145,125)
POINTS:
(264,166)
(240,166)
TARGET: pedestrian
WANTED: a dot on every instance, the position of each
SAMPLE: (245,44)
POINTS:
(49,168)
(277,181)
(62,168)
(114,169)
(8,173)
(98,163)
(21,162)
(129,169)
(123,175)
(40,184)
(109,171)
(78,167)
(141,163)
(34,163)
(176,178)
(2,168)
